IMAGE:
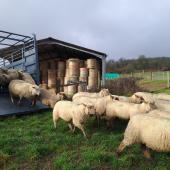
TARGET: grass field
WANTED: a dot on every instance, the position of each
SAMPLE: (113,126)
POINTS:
(156,86)
(30,142)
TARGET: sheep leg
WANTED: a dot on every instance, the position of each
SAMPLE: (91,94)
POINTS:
(74,128)
(12,100)
(19,102)
(80,126)
(70,125)
(120,149)
(146,152)
(33,102)
(55,119)
(82,129)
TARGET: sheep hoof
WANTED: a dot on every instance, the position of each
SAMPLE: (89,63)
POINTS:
(117,154)
(88,137)
(151,160)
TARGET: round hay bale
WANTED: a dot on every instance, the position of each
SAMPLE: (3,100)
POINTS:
(91,63)
(51,78)
(93,73)
(74,68)
(83,72)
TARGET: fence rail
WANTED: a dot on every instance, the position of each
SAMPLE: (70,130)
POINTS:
(151,76)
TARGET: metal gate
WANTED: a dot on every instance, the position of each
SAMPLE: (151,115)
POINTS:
(19,52)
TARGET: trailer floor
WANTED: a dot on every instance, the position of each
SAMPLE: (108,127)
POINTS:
(7,108)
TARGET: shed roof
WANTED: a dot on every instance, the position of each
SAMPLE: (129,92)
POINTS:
(52,41)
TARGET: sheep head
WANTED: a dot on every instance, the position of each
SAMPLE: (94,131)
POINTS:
(61,96)
(104,92)
(35,90)
(137,99)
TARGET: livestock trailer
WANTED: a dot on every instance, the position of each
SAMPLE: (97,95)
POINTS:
(18,52)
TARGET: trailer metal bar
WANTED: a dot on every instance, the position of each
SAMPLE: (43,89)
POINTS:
(11,39)
(19,52)
(14,34)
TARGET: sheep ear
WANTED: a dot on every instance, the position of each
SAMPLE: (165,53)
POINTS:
(140,97)
(136,96)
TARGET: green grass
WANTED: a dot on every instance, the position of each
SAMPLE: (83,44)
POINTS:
(31,142)
(156,86)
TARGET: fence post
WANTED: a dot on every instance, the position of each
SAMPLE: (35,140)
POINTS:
(151,76)
(168,83)
(143,75)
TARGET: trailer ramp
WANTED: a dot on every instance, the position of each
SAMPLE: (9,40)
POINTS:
(7,108)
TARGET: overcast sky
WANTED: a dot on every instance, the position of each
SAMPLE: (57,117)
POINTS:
(120,28)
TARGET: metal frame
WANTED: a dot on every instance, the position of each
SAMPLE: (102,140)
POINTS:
(18,51)
(11,39)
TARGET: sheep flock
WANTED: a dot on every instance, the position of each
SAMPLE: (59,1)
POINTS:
(148,114)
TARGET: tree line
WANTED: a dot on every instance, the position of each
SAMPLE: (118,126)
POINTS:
(139,64)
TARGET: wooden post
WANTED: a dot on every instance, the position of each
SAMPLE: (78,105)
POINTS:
(168,83)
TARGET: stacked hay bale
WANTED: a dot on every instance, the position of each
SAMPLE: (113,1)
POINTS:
(59,73)
(61,68)
(52,80)
(73,66)
(93,74)
(83,78)
(44,74)
(52,76)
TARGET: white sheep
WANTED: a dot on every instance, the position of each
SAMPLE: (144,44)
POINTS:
(6,75)
(159,113)
(102,93)
(143,96)
(3,80)
(49,99)
(127,99)
(14,74)
(27,78)
(74,114)
(21,89)
(149,131)
(99,103)
(125,110)
(162,96)
(161,100)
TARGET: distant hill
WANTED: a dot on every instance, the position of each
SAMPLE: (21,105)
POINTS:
(142,63)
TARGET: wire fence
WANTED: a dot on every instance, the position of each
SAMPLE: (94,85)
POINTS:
(151,76)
